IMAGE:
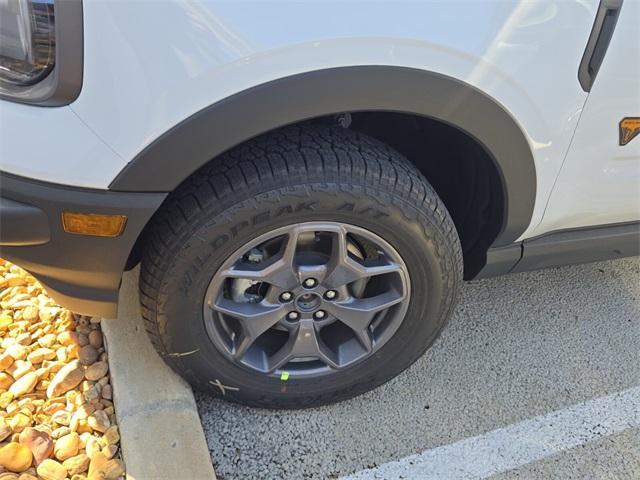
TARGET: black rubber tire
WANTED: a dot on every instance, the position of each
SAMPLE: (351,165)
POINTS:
(296,174)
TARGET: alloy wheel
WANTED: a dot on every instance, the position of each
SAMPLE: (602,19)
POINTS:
(307,299)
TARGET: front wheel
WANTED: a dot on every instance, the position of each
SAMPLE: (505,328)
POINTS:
(302,268)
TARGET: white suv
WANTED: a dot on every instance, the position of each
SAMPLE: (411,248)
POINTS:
(306,185)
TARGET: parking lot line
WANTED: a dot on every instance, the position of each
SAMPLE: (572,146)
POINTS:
(517,444)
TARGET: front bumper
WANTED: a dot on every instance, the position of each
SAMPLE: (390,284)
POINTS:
(80,272)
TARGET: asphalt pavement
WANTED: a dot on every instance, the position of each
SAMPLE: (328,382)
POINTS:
(536,376)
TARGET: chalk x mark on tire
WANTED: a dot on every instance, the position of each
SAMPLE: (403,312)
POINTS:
(223,388)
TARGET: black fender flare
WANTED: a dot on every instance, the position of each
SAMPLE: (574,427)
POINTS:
(179,152)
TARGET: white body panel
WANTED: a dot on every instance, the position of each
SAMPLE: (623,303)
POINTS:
(54,145)
(150,65)
(600,180)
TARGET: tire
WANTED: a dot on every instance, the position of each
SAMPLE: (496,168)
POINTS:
(297,174)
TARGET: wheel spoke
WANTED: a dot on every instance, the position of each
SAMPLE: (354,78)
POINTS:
(342,270)
(383,269)
(303,342)
(281,271)
(357,313)
(290,246)
(255,319)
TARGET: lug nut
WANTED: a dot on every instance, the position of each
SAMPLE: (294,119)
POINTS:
(286,296)
(293,315)
(330,294)
(319,315)
(310,282)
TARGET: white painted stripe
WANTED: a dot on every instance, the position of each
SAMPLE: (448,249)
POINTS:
(518,444)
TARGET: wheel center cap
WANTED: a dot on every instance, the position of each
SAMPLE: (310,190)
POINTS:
(308,302)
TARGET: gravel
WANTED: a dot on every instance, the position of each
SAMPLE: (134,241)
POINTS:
(57,419)
(518,346)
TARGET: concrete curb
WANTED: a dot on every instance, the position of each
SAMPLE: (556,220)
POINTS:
(160,429)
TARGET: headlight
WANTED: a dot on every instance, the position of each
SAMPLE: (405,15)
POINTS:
(40,50)
(27,41)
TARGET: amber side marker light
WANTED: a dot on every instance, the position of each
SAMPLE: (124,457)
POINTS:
(629,129)
(93,224)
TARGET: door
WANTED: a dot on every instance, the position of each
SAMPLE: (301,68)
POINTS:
(599,183)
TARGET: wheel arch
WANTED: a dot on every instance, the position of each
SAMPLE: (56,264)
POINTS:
(219,127)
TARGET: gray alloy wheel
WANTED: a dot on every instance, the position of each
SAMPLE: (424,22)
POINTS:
(307,299)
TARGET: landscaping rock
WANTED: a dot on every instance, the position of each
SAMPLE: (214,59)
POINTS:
(103,468)
(95,338)
(24,385)
(96,371)
(68,377)
(5,430)
(51,470)
(87,355)
(5,361)
(111,435)
(56,413)
(15,457)
(40,443)
(6,380)
(99,421)
(40,354)
(67,446)
(77,464)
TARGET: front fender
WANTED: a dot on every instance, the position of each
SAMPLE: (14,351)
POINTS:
(227,123)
